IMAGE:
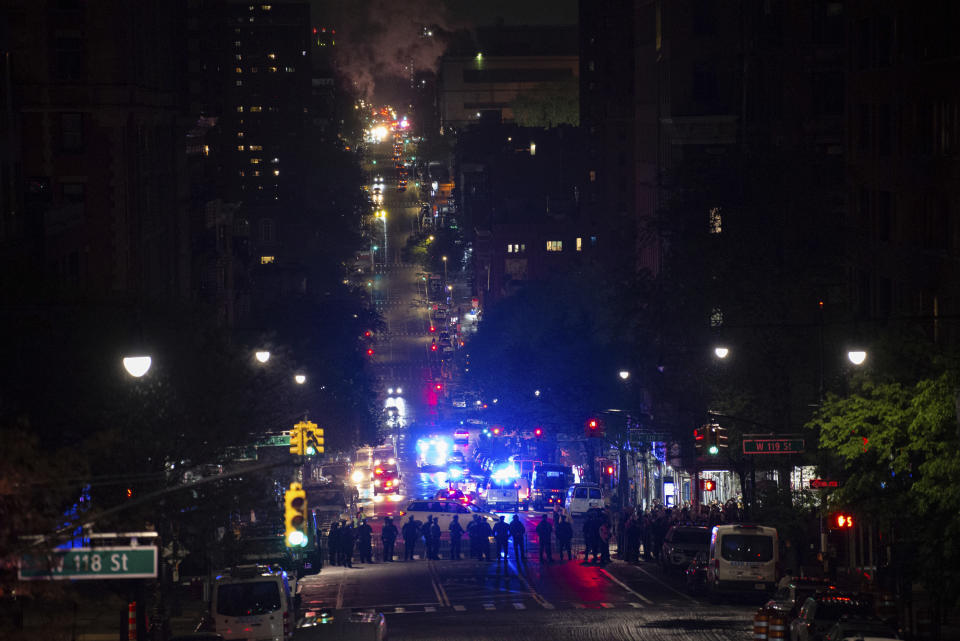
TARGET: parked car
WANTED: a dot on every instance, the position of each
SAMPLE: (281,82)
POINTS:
(341,625)
(682,544)
(790,596)
(821,611)
(856,629)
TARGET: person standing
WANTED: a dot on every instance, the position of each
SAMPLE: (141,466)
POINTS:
(347,535)
(389,536)
(485,533)
(565,537)
(519,535)
(501,534)
(456,531)
(435,538)
(365,542)
(425,534)
(603,533)
(411,530)
(333,543)
(590,543)
(544,532)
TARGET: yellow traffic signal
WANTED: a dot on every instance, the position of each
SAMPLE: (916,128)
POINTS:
(310,438)
(295,516)
(296,441)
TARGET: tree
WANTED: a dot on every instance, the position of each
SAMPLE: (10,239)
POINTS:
(548,104)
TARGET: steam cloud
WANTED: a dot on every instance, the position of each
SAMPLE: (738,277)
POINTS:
(378,38)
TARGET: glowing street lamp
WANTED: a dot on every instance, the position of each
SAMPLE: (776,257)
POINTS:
(137,366)
(721,352)
(857,357)
(624,374)
(262,355)
(300,379)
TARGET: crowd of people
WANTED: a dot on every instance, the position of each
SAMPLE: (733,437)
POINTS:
(640,533)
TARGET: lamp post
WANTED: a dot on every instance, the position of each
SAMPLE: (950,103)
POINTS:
(444,259)
(137,366)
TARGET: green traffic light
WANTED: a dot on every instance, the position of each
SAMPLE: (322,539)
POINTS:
(296,539)
(311,451)
(714,450)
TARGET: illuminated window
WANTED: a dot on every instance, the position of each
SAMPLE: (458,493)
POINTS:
(593,241)
(516,248)
(266,260)
(259,187)
(276,172)
(236,43)
(254,161)
(240,109)
(254,69)
(273,70)
(593,176)
(256,173)
(272,56)
(239,147)
(275,161)
(716,317)
(239,70)
(579,244)
(206,150)
(243,173)
(266,7)
(554,245)
(289,69)
(239,83)
(256,147)
(238,57)
(716,221)
(239,134)
(256,109)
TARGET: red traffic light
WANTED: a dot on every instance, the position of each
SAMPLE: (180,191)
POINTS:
(432,329)
(367,334)
(369,351)
(698,435)
(433,347)
(593,424)
(609,470)
(708,485)
(538,432)
(438,387)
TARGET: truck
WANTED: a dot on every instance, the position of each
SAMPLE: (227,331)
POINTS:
(548,484)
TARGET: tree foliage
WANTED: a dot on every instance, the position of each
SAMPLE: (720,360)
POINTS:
(549,104)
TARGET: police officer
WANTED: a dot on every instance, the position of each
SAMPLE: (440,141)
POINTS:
(473,531)
(544,532)
(333,543)
(519,534)
(389,536)
(501,534)
(347,535)
(435,538)
(456,531)
(411,530)
(426,533)
(484,539)
(364,542)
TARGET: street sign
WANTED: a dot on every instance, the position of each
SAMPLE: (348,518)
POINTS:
(819,484)
(275,440)
(772,445)
(90,563)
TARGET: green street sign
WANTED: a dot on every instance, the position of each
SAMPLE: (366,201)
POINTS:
(774,446)
(90,563)
(276,440)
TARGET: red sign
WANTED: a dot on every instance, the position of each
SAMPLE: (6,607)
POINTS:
(819,484)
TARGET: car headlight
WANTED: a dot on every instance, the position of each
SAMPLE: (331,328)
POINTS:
(357,476)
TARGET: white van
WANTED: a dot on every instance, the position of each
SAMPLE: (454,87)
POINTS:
(253,602)
(582,497)
(743,558)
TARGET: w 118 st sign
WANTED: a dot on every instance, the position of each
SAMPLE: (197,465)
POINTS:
(773,445)
(90,563)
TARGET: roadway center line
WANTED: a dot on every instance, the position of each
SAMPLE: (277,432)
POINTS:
(626,587)
(669,587)
(533,593)
(340,595)
(442,597)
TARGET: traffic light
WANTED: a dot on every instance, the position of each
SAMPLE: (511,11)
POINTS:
(433,347)
(369,351)
(312,437)
(708,485)
(295,513)
(699,439)
(438,387)
(712,448)
(496,430)
(841,521)
(538,432)
(594,428)
(610,470)
(296,441)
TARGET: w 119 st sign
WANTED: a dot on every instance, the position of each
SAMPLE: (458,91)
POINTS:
(90,563)
(773,445)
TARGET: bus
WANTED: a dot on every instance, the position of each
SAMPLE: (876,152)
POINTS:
(548,485)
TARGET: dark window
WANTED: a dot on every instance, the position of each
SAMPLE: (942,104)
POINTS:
(68,56)
(704,18)
(71,132)
(746,547)
(829,87)
(704,83)
(247,599)
(595,493)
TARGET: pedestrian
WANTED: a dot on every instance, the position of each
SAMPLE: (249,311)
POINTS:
(435,538)
(591,536)
(456,531)
(501,534)
(564,537)
(411,530)
(347,536)
(389,536)
(364,541)
(544,532)
(485,533)
(604,534)
(333,543)
(519,535)
(647,534)
(425,533)
(633,539)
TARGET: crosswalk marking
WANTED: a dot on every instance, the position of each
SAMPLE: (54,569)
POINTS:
(460,608)
(399,609)
(489,606)
(429,608)
(634,604)
(548,606)
(606,605)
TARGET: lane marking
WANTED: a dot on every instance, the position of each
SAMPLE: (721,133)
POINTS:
(340,595)
(548,606)
(460,608)
(489,606)
(669,587)
(634,604)
(399,609)
(626,587)
(429,608)
(519,606)
(442,597)
(533,593)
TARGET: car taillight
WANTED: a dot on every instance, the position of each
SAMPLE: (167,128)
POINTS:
(402,513)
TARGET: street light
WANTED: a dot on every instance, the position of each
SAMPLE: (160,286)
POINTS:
(624,374)
(262,355)
(137,366)
(721,352)
(857,356)
(300,379)
(444,259)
